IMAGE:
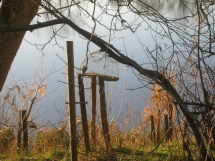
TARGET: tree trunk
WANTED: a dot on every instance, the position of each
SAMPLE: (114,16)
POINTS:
(13,14)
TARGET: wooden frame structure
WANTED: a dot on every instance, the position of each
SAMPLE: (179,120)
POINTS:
(72,108)
(103,109)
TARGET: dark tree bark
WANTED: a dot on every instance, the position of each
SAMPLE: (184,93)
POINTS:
(13,13)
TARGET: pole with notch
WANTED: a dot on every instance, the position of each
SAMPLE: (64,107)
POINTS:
(71,100)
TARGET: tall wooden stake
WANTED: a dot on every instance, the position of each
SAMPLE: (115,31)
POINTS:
(19,134)
(93,122)
(84,114)
(152,128)
(166,123)
(25,130)
(105,128)
(71,100)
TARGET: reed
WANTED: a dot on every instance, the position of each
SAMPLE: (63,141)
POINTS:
(129,143)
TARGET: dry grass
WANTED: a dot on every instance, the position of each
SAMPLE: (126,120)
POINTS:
(48,139)
(6,139)
(133,143)
(54,143)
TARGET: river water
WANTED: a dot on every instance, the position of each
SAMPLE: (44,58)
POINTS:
(32,65)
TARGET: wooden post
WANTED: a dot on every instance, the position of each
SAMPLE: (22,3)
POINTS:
(93,121)
(170,130)
(25,130)
(84,114)
(105,128)
(158,121)
(166,123)
(185,131)
(19,135)
(71,100)
(152,128)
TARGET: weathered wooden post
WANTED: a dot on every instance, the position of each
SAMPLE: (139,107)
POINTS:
(83,114)
(166,123)
(25,130)
(170,130)
(19,134)
(71,100)
(105,128)
(158,121)
(93,106)
(152,128)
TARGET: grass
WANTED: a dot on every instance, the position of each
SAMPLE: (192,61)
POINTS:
(52,144)
(55,154)
(161,153)
(124,153)
(135,144)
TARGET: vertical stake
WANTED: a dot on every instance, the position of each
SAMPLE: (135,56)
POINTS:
(103,107)
(84,114)
(25,130)
(19,135)
(152,128)
(166,123)
(71,100)
(93,104)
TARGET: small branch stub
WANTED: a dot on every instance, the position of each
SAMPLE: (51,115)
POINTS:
(77,103)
